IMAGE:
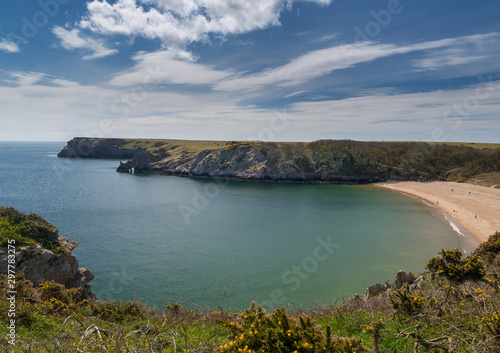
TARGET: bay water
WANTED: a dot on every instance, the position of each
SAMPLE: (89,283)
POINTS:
(208,244)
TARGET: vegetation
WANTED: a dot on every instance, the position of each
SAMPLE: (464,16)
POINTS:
(337,160)
(453,307)
(26,229)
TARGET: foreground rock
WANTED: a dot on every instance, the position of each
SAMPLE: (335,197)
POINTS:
(40,265)
(37,261)
(402,277)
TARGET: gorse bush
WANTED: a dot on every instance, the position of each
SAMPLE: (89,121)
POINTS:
(407,303)
(451,265)
(280,333)
(489,250)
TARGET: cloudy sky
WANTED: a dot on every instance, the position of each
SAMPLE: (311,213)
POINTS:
(273,70)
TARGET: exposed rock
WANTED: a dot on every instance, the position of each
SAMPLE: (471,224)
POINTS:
(40,265)
(355,301)
(402,277)
(375,290)
(417,283)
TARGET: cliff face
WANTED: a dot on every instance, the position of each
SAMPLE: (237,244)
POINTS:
(40,252)
(245,162)
(340,161)
(80,147)
(40,265)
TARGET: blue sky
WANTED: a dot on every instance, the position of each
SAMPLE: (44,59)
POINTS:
(271,70)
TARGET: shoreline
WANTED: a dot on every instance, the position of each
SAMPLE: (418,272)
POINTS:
(473,209)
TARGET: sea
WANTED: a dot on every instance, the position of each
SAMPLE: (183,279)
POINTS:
(211,245)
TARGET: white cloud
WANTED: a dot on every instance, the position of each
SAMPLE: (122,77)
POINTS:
(176,66)
(324,61)
(72,39)
(44,108)
(326,38)
(310,65)
(167,67)
(9,47)
(466,114)
(24,78)
(444,59)
(178,23)
(293,94)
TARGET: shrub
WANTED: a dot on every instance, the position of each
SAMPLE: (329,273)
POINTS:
(258,332)
(490,249)
(118,311)
(407,303)
(451,265)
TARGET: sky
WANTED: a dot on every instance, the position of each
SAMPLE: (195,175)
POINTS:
(269,70)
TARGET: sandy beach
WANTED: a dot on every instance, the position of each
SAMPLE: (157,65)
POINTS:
(476,208)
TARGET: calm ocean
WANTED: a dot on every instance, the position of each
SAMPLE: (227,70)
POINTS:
(167,239)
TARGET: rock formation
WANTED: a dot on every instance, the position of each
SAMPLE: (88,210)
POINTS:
(40,265)
(47,258)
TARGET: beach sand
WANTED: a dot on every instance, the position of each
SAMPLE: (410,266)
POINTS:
(476,208)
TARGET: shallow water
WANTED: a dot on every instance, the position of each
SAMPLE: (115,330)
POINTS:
(168,239)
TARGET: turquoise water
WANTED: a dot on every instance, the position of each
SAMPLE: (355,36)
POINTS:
(167,239)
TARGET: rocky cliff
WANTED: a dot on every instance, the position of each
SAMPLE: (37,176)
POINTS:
(80,147)
(245,162)
(333,161)
(32,236)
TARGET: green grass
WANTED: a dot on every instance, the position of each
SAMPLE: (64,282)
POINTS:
(26,229)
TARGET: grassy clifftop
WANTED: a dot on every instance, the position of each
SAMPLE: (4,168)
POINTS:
(341,161)
(26,229)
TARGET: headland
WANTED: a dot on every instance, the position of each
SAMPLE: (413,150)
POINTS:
(323,161)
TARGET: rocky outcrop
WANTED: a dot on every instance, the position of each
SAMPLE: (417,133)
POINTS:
(81,147)
(403,278)
(376,290)
(39,265)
